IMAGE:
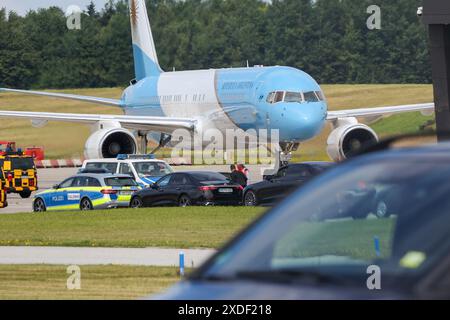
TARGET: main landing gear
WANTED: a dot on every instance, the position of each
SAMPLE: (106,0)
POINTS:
(143,141)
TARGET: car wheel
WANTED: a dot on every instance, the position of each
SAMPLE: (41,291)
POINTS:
(25,194)
(39,205)
(86,205)
(382,210)
(250,199)
(184,201)
(136,203)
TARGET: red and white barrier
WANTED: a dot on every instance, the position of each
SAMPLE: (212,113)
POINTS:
(70,163)
(78,163)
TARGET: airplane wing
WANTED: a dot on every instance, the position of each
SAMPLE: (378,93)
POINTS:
(104,101)
(159,124)
(380,111)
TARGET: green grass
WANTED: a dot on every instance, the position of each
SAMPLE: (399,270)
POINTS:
(402,124)
(71,142)
(202,227)
(352,238)
(26,282)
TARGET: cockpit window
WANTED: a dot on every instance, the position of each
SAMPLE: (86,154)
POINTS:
(320,95)
(270,97)
(279,96)
(275,97)
(293,97)
(311,96)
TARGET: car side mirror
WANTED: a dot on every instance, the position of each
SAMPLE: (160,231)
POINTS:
(154,186)
(56,186)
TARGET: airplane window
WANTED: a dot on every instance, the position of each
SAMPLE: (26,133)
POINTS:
(293,97)
(279,96)
(311,97)
(320,95)
(270,97)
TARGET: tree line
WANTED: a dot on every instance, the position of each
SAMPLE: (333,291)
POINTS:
(328,39)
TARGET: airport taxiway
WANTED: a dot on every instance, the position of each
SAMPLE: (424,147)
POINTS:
(157,257)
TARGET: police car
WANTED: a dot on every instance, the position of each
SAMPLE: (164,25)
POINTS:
(145,169)
(87,192)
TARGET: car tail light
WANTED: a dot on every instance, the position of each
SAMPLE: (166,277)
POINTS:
(109,191)
(207,188)
(31,182)
(10,177)
(240,188)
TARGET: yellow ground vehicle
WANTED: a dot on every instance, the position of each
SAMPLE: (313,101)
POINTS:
(18,174)
(3,200)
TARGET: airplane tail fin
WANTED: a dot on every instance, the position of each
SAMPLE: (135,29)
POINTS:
(145,59)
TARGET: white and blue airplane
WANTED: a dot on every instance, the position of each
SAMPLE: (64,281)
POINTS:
(282,98)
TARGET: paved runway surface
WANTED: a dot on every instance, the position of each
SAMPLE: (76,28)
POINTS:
(50,177)
(103,256)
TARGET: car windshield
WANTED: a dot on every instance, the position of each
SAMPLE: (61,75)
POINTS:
(120,182)
(22,163)
(152,169)
(380,212)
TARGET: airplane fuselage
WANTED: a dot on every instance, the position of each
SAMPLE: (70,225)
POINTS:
(256,98)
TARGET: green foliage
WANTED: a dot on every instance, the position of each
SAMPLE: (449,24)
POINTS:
(327,38)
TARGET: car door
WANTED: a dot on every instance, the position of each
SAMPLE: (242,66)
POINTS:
(58,197)
(179,184)
(272,190)
(92,189)
(156,196)
(296,176)
(288,180)
(73,193)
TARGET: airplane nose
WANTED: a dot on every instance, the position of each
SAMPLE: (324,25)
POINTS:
(303,122)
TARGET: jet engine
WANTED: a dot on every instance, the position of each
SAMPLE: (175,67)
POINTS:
(108,143)
(348,139)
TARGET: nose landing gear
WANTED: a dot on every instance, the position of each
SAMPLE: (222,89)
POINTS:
(285,155)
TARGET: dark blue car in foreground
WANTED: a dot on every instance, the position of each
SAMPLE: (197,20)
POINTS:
(324,243)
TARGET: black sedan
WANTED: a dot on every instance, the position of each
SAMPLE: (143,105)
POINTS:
(189,188)
(312,247)
(275,188)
